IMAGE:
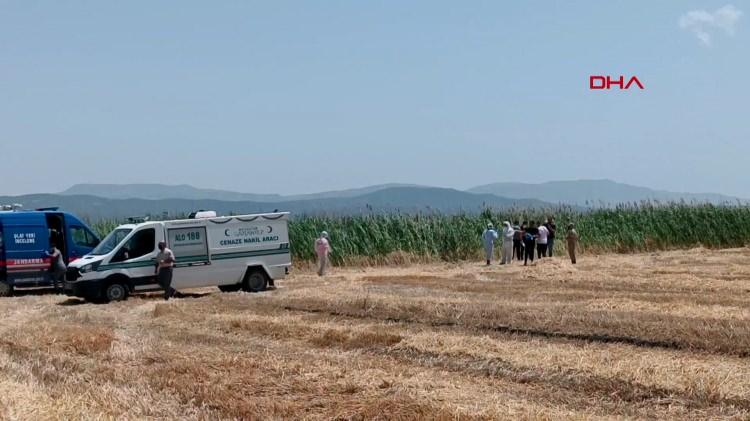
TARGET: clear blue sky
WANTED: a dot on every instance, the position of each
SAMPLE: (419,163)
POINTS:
(294,97)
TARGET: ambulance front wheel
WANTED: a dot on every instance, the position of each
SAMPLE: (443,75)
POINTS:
(255,281)
(6,289)
(115,292)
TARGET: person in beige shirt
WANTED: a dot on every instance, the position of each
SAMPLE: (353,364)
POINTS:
(572,238)
(164,265)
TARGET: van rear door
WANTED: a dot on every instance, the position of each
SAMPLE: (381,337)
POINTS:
(25,240)
(2,255)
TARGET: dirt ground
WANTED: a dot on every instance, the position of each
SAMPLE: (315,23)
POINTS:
(663,335)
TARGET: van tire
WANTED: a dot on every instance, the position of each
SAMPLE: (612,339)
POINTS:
(230,288)
(255,280)
(115,292)
(6,289)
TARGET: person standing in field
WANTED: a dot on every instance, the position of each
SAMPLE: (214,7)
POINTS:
(322,249)
(541,241)
(164,265)
(529,242)
(572,238)
(552,228)
(57,265)
(506,253)
(488,238)
(518,240)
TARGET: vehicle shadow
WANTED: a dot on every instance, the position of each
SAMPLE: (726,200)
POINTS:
(74,302)
(178,295)
(31,292)
(148,297)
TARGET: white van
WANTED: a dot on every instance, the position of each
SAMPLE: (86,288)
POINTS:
(233,252)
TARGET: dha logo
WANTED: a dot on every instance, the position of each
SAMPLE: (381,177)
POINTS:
(606,82)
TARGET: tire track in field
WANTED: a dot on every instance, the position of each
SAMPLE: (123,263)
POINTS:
(608,390)
(546,334)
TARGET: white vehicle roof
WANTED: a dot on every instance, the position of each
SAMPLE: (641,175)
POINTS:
(244,218)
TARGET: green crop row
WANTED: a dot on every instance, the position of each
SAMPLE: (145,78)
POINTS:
(625,228)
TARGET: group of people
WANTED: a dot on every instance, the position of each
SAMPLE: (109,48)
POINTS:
(523,240)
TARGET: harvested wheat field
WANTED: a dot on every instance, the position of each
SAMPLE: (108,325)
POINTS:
(663,335)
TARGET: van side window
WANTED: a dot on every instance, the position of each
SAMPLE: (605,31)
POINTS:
(82,237)
(140,244)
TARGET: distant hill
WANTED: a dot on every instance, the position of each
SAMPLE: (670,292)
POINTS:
(162,191)
(184,191)
(117,201)
(348,192)
(402,199)
(594,193)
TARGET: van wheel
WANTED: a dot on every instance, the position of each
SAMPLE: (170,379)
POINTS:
(255,281)
(115,292)
(230,288)
(6,290)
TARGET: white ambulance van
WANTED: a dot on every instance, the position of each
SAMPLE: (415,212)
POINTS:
(245,252)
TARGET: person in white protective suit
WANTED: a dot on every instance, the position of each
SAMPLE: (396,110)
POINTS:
(506,253)
(488,238)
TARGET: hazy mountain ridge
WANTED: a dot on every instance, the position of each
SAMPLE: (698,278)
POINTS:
(118,201)
(595,193)
(573,192)
(162,191)
(402,199)
(156,191)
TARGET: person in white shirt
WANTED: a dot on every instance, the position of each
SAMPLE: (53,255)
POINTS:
(164,263)
(506,254)
(541,241)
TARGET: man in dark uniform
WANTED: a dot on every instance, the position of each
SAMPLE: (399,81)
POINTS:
(164,265)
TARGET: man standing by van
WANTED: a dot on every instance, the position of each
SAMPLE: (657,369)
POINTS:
(164,264)
(57,266)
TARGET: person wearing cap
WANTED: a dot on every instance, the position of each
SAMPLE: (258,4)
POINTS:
(488,238)
(506,253)
(322,249)
(572,238)
(164,264)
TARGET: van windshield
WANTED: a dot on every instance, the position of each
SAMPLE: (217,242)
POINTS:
(110,241)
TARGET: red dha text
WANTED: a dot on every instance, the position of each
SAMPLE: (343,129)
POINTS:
(607,82)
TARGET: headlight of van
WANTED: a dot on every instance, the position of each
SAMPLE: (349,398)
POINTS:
(89,268)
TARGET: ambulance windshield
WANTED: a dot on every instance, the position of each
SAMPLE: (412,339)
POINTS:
(110,241)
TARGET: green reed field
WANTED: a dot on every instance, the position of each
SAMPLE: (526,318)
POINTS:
(623,229)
